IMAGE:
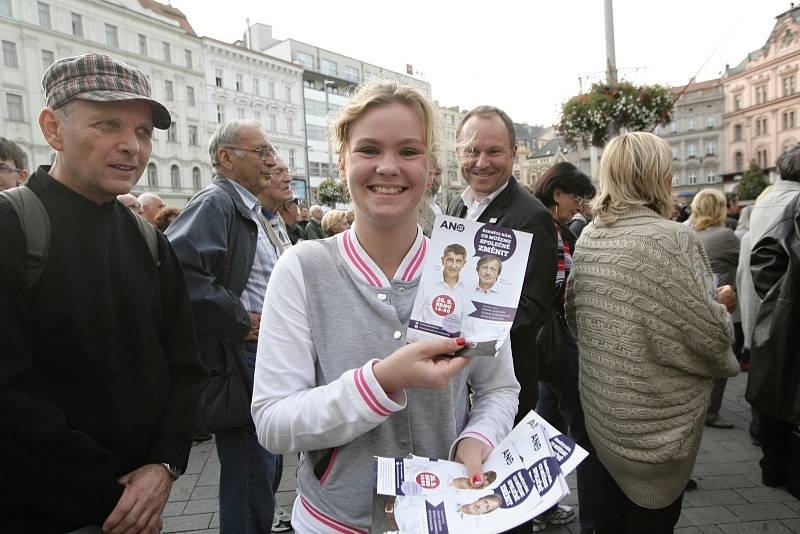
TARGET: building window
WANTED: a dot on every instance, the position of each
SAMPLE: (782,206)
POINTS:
(710,148)
(218,77)
(692,178)
(256,86)
(788,120)
(761,158)
(290,125)
(328,67)
(690,125)
(143,44)
(220,113)
(289,94)
(241,113)
(175,177)
(710,121)
(169,91)
(272,124)
(788,86)
(193,135)
(167,52)
(350,73)
(738,162)
(190,95)
(676,153)
(172,133)
(197,181)
(10,55)
(737,102)
(187,57)
(305,60)
(316,133)
(673,127)
(292,162)
(112,37)
(761,126)
(239,82)
(44,15)
(5,9)
(48,57)
(691,150)
(711,177)
(761,94)
(77,25)
(674,181)
(14,106)
(271,89)
(152,175)
(737,132)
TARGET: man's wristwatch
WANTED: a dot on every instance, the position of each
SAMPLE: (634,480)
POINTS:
(174,471)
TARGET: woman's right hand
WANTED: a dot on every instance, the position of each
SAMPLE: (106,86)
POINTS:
(422,364)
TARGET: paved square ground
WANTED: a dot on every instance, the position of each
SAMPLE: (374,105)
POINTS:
(729,500)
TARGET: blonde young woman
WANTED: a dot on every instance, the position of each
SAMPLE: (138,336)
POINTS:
(652,335)
(335,379)
(709,214)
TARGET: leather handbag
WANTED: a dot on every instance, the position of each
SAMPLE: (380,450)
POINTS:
(225,402)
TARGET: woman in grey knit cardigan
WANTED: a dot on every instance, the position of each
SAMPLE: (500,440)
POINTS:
(652,335)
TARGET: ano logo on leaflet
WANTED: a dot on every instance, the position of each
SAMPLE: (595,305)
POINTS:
(443,305)
(428,480)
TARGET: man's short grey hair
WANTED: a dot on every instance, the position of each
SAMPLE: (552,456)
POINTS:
(314,209)
(789,163)
(226,134)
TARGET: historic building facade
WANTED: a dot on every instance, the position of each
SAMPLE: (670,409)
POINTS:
(762,102)
(153,37)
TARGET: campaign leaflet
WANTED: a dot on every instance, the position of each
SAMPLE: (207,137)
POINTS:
(471,283)
(523,477)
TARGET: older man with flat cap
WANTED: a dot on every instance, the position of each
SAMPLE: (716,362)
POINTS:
(100,379)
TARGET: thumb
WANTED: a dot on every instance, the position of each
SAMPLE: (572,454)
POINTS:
(475,470)
(445,346)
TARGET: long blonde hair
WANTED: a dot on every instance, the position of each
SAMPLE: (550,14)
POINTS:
(709,208)
(634,172)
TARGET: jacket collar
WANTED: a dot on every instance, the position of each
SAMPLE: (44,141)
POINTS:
(227,186)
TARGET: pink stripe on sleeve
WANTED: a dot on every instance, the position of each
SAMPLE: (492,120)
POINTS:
(367,395)
(483,437)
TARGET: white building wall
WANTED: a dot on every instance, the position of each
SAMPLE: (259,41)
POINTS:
(130,20)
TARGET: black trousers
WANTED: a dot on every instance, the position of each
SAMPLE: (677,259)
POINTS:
(623,516)
(775,438)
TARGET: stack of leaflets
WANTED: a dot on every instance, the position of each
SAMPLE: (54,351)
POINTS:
(471,283)
(523,478)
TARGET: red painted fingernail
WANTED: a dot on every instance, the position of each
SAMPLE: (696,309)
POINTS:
(461,342)
(477,480)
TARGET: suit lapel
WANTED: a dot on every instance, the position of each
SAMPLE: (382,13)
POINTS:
(499,206)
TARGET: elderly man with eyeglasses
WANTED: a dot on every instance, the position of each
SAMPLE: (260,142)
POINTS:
(12,164)
(224,246)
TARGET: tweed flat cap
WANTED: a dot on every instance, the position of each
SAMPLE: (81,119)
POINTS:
(99,78)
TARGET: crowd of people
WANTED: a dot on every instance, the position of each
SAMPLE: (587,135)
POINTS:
(281,329)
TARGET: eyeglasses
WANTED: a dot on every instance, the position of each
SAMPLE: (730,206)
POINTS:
(577,198)
(6,169)
(264,153)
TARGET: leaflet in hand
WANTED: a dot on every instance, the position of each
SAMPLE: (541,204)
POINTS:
(471,284)
(523,477)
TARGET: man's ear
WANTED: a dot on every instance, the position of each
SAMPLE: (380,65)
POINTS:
(23,175)
(52,129)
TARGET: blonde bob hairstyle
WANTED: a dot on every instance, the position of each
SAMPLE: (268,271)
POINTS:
(333,222)
(379,92)
(635,171)
(709,208)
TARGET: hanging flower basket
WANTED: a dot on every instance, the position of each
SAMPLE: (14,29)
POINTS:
(586,117)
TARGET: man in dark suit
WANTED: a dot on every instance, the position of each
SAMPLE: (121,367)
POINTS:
(486,149)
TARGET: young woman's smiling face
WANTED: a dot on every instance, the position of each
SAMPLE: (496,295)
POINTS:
(386,165)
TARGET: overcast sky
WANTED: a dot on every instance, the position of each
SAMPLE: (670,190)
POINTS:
(523,56)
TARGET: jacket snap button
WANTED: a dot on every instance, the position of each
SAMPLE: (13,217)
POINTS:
(381,296)
(397,334)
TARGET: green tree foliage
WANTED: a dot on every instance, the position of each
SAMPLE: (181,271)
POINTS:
(752,183)
(586,117)
(329,192)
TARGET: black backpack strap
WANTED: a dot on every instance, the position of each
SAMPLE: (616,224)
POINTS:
(35,224)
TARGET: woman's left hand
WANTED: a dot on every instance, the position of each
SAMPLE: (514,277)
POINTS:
(472,452)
